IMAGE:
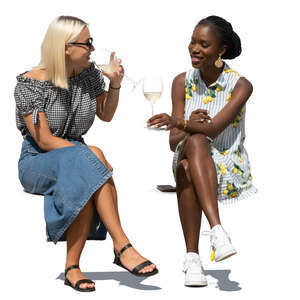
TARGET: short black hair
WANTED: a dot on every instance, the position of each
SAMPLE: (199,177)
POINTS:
(226,34)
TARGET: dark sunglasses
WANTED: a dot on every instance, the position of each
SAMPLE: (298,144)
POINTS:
(89,43)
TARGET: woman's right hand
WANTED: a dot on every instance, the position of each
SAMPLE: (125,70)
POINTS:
(200,116)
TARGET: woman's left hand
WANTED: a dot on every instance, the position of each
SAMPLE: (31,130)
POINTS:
(117,76)
(164,120)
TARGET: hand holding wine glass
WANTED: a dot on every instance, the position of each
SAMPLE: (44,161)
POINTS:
(114,71)
(164,119)
(198,115)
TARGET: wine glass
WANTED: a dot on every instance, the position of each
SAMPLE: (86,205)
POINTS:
(110,66)
(152,89)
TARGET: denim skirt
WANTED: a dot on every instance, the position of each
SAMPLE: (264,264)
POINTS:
(67,178)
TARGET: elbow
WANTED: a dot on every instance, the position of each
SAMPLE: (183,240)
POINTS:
(107,119)
(45,143)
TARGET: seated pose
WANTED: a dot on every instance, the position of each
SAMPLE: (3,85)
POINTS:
(207,134)
(56,103)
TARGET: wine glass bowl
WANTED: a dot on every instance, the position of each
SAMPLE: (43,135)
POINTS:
(152,89)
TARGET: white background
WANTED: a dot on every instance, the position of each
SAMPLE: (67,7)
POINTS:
(154,35)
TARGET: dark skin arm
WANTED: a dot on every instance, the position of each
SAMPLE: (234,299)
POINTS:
(178,98)
(240,94)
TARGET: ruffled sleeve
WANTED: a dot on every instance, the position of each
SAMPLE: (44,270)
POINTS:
(97,81)
(29,99)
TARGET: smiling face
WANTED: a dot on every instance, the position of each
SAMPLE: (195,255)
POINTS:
(205,47)
(79,55)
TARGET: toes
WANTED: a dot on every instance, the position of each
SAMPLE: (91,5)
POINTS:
(86,285)
(148,269)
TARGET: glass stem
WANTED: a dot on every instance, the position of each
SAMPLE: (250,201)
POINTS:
(152,106)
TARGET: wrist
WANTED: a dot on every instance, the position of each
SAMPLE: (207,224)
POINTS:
(115,83)
(114,87)
(181,124)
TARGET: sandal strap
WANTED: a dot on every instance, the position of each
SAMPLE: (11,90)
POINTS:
(79,282)
(123,249)
(70,268)
(141,266)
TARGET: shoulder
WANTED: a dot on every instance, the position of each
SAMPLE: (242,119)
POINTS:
(37,74)
(244,84)
(179,80)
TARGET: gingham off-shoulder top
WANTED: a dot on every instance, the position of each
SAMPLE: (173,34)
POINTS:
(70,113)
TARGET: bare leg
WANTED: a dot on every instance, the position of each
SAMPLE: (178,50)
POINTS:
(105,200)
(189,208)
(76,236)
(203,175)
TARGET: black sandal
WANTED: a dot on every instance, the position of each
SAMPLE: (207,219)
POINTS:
(136,270)
(76,287)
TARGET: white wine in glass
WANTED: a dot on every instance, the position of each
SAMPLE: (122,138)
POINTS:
(111,66)
(103,55)
(152,89)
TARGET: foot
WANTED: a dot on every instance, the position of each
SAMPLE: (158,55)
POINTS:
(221,244)
(194,273)
(131,258)
(74,275)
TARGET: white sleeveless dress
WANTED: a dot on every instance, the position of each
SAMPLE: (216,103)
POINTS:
(227,149)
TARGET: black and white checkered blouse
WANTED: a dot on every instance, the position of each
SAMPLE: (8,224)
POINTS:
(70,113)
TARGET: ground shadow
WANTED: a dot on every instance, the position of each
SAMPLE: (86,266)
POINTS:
(224,283)
(124,278)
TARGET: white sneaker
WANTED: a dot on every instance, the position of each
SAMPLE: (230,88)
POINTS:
(220,244)
(194,273)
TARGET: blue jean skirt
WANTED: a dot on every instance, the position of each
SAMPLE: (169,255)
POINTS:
(67,177)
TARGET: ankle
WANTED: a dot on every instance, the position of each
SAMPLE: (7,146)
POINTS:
(192,250)
(71,263)
(118,245)
(215,225)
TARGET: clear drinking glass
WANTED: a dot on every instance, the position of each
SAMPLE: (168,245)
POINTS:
(152,89)
(108,65)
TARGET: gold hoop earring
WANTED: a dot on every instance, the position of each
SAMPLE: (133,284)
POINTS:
(219,62)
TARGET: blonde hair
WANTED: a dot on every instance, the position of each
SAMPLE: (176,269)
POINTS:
(62,30)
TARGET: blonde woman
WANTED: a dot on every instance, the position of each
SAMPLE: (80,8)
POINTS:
(56,103)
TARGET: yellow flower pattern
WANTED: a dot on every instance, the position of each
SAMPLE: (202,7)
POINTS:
(190,88)
(228,97)
(232,165)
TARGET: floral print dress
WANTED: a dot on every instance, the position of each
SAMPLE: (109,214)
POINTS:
(227,149)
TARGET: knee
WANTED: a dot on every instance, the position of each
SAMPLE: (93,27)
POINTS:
(197,141)
(100,155)
(183,170)
(98,152)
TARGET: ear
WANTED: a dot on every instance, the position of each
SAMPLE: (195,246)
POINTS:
(67,50)
(223,50)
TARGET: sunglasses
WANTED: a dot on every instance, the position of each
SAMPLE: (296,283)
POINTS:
(89,43)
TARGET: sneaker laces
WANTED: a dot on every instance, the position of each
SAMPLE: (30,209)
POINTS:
(189,261)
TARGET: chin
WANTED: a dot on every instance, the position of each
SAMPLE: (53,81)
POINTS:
(197,65)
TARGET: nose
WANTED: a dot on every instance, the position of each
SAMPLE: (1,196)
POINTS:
(195,49)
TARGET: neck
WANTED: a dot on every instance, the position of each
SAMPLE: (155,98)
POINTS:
(72,70)
(210,73)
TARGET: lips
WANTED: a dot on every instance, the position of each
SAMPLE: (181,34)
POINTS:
(196,58)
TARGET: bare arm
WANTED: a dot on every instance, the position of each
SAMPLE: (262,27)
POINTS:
(178,98)
(42,134)
(107,104)
(241,93)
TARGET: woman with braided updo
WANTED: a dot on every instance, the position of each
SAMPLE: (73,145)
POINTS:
(207,134)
